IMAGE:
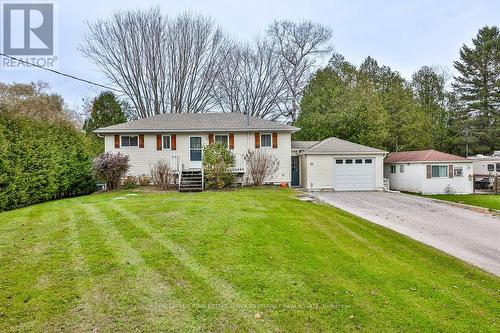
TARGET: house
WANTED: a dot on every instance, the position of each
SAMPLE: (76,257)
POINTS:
(335,164)
(486,165)
(429,172)
(179,138)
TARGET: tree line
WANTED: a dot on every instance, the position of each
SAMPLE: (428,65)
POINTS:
(188,64)
(374,105)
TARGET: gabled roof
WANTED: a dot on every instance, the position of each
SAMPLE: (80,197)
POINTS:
(423,156)
(189,122)
(303,145)
(338,146)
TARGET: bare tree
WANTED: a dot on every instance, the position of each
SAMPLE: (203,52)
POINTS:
(261,165)
(251,81)
(298,45)
(163,65)
(128,48)
(197,50)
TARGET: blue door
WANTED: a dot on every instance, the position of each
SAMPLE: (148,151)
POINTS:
(295,171)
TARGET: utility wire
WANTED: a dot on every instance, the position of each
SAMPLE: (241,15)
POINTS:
(61,73)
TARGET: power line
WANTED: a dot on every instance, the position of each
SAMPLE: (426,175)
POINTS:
(61,73)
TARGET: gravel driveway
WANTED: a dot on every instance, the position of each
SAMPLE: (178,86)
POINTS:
(466,234)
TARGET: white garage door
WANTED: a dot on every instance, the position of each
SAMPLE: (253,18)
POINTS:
(354,174)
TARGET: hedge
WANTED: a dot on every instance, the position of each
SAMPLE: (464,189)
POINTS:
(41,161)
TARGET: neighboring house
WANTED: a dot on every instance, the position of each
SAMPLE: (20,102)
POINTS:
(335,164)
(332,164)
(486,165)
(429,172)
(179,138)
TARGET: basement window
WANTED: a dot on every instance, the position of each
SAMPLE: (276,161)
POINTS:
(129,141)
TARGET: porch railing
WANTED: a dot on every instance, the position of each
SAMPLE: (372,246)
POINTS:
(239,164)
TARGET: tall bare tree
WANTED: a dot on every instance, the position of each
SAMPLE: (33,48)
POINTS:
(163,65)
(129,49)
(197,50)
(251,81)
(298,45)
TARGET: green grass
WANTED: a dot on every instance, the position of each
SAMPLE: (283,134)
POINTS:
(491,201)
(212,261)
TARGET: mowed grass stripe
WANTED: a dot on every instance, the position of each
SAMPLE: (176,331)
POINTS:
(343,285)
(233,301)
(143,298)
(36,286)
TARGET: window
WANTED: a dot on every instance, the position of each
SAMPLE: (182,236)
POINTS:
(339,161)
(458,172)
(368,161)
(129,141)
(348,161)
(439,171)
(491,167)
(166,142)
(266,140)
(222,138)
(359,161)
(498,167)
(401,168)
(393,169)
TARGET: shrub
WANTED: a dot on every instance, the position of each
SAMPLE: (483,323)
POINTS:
(260,165)
(217,160)
(111,168)
(162,175)
(40,161)
(129,182)
(144,180)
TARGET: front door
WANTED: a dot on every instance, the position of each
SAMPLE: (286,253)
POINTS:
(195,152)
(295,171)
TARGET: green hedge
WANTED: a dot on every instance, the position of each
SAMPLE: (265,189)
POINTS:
(40,161)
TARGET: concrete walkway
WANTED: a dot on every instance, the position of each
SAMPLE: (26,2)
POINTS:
(466,234)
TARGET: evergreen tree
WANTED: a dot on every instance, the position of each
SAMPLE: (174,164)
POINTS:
(478,86)
(105,110)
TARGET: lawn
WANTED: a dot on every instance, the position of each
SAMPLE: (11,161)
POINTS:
(243,260)
(491,201)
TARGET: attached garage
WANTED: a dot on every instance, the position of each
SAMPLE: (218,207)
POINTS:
(339,165)
(354,174)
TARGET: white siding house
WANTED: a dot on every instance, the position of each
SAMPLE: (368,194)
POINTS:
(179,138)
(429,172)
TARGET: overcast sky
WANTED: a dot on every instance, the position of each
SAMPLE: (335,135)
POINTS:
(402,34)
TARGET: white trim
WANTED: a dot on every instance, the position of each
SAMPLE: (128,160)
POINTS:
(129,136)
(201,150)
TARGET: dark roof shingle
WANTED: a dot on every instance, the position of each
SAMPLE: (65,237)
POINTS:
(186,122)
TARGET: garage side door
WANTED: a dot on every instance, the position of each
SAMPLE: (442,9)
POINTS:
(354,174)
